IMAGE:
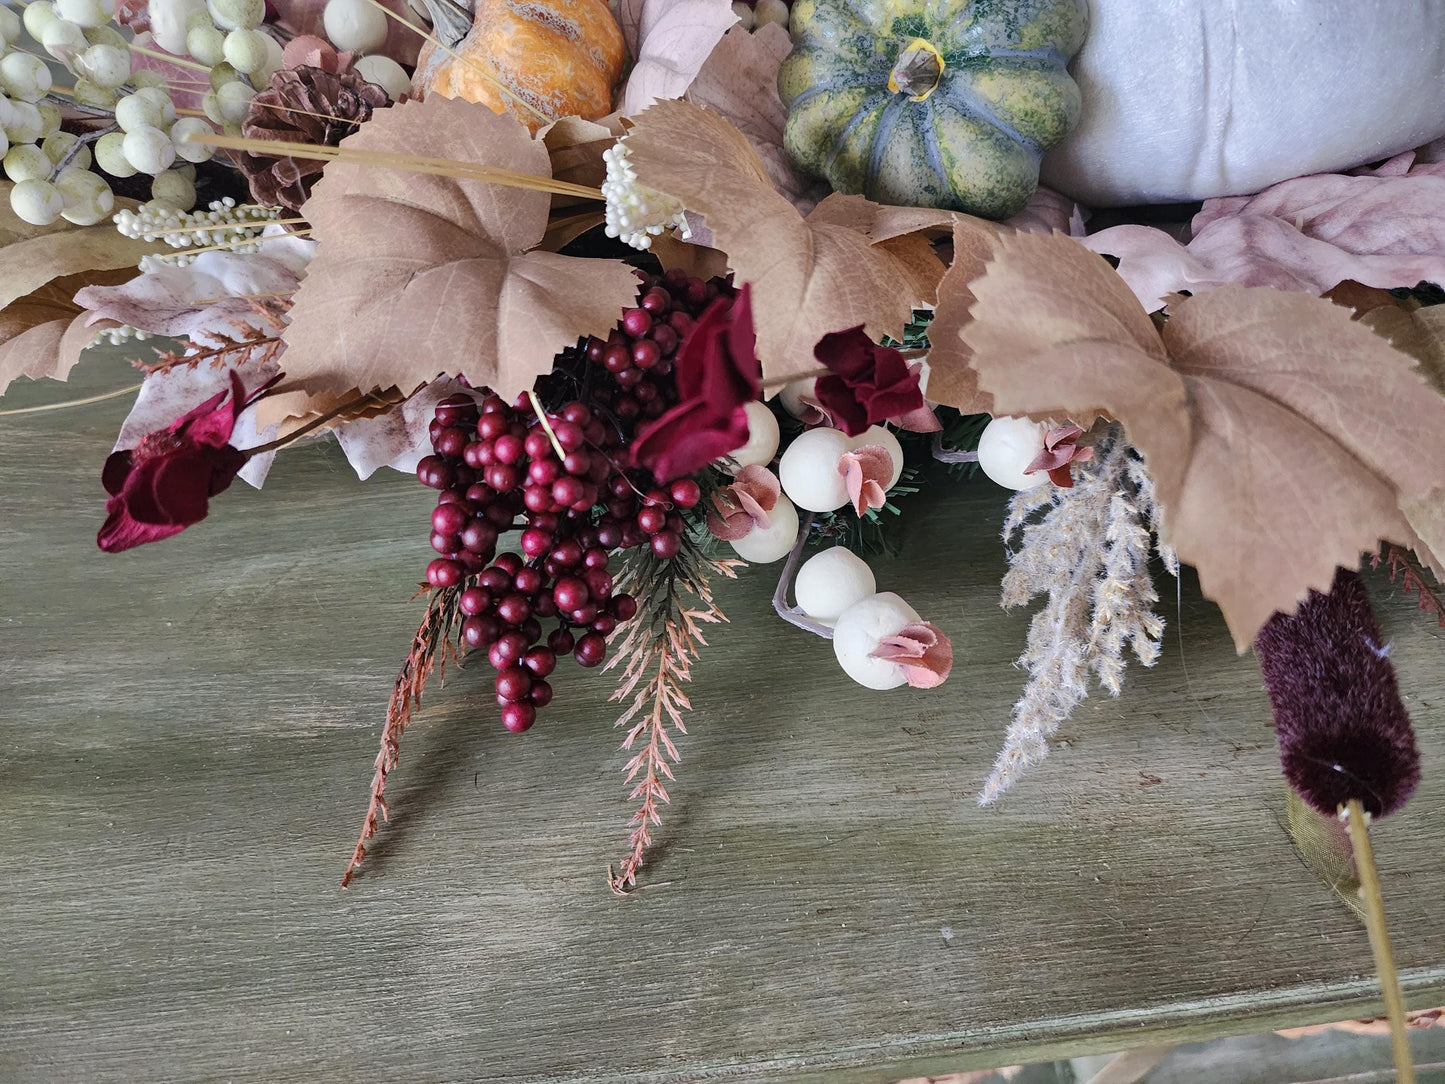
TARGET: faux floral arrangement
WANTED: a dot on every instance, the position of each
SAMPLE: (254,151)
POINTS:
(650,292)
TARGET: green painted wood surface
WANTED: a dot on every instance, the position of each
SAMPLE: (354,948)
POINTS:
(186,737)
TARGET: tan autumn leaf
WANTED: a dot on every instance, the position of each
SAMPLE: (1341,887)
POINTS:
(809,275)
(43,333)
(1282,437)
(33,255)
(417,276)
(952,380)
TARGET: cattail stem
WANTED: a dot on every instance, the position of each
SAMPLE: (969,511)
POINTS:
(546,425)
(70,402)
(1380,939)
(441,167)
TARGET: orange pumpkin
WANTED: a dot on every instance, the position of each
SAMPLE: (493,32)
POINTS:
(561,58)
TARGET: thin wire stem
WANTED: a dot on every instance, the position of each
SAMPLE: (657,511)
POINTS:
(1374,903)
(70,402)
(792,614)
(181,62)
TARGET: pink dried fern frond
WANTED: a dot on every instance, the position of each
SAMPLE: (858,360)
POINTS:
(1412,579)
(656,650)
(430,647)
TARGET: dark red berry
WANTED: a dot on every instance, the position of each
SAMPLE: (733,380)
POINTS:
(444,573)
(652,519)
(617,358)
(518,717)
(514,682)
(570,593)
(536,543)
(445,544)
(474,600)
(435,472)
(567,491)
(623,607)
(561,641)
(541,661)
(591,650)
(685,493)
(595,558)
(646,353)
(545,470)
(459,409)
(665,338)
(514,608)
(604,624)
(637,322)
(495,580)
(599,583)
(528,581)
(577,414)
(492,425)
(541,694)
(479,536)
(479,632)
(666,544)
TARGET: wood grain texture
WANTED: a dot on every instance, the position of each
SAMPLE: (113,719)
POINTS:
(186,735)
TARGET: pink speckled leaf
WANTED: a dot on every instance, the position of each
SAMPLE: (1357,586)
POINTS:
(670,41)
(1383,228)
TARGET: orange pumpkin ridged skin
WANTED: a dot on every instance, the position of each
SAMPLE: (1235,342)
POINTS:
(563,57)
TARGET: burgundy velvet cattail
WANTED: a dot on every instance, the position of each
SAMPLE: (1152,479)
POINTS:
(1343,730)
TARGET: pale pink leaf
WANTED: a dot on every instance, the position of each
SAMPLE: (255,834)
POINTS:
(670,41)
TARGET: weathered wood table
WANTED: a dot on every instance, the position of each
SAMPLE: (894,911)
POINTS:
(187,738)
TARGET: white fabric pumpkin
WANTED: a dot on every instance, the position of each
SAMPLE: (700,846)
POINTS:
(1188,99)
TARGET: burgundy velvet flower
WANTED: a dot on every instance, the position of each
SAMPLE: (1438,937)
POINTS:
(1061,447)
(162,486)
(717,374)
(869,383)
(1342,727)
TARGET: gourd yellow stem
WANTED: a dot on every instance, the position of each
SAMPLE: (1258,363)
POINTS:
(917,71)
(1380,940)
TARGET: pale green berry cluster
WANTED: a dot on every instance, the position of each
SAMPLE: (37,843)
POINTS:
(51,168)
(222,224)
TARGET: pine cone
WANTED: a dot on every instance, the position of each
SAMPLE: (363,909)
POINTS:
(302,105)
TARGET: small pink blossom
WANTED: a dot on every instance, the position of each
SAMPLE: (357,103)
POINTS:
(923,652)
(1061,448)
(738,508)
(867,470)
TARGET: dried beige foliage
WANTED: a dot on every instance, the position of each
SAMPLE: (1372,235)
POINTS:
(1284,438)
(417,276)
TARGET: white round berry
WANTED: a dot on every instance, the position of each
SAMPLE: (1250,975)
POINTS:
(206,44)
(138,111)
(169,22)
(385,73)
(110,155)
(762,442)
(274,62)
(88,93)
(191,152)
(238,14)
(106,35)
(858,632)
(744,12)
(793,394)
(37,201)
(832,581)
(24,77)
(26,124)
(58,144)
(234,101)
(355,25)
(25,162)
(36,16)
(4,144)
(245,50)
(149,149)
(174,189)
(104,65)
(764,545)
(1006,448)
(809,470)
(770,11)
(63,39)
(88,199)
(49,117)
(161,97)
(147,78)
(85,12)
(221,74)
(10,26)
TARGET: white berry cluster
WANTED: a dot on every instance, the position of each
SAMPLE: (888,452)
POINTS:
(223,223)
(115,336)
(635,213)
(51,168)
